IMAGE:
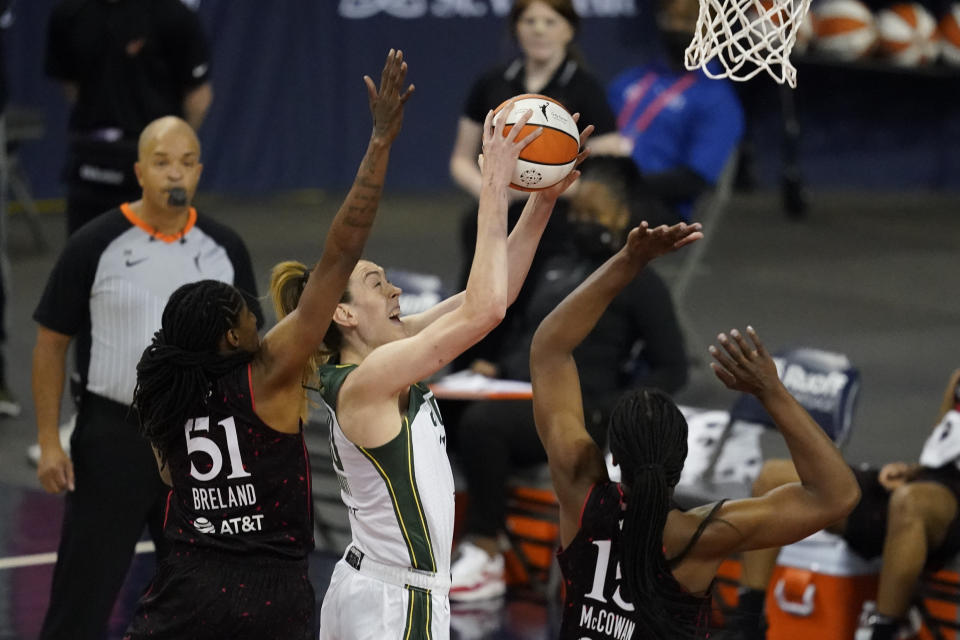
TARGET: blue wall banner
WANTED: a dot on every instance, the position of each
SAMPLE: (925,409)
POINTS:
(290,108)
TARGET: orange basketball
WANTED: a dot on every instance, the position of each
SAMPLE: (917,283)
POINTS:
(775,20)
(907,34)
(805,33)
(774,12)
(949,29)
(548,159)
(845,29)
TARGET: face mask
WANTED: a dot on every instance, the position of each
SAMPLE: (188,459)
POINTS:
(594,239)
(177,197)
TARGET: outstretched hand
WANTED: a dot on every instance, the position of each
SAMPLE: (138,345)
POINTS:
(500,152)
(744,366)
(386,105)
(644,244)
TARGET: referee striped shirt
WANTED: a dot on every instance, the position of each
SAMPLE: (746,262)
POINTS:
(112,281)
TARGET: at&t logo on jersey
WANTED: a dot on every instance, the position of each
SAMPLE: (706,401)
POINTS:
(230,526)
(203,525)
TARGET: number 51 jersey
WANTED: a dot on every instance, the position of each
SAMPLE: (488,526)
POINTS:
(239,485)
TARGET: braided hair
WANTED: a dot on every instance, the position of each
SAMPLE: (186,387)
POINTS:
(648,438)
(176,372)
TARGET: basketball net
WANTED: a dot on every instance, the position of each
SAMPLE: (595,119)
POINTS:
(747,37)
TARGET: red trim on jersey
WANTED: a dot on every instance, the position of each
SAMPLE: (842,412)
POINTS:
(634,95)
(253,403)
(662,100)
(166,511)
(584,506)
(163,237)
(306,460)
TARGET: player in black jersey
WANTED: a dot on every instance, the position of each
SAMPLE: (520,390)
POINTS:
(222,410)
(634,567)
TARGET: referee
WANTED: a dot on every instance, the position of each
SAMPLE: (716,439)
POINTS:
(108,290)
(122,64)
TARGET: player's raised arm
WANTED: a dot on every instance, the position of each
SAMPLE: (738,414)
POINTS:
(295,338)
(521,244)
(392,367)
(827,490)
(575,460)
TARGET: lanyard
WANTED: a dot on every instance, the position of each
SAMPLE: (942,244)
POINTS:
(657,105)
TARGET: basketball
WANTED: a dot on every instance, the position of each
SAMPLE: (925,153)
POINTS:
(845,29)
(548,159)
(766,16)
(805,33)
(950,35)
(907,34)
(765,19)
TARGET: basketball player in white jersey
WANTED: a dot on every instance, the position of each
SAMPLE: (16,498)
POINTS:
(387,438)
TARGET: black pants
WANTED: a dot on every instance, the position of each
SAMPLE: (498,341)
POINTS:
(99,177)
(118,491)
(494,437)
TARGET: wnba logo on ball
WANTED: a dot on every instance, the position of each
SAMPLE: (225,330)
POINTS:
(530,177)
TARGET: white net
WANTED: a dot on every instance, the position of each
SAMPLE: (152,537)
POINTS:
(747,37)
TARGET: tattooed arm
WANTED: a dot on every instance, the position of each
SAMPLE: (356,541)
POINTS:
(286,348)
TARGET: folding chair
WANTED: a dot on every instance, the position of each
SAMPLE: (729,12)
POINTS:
(533,532)
(729,453)
(937,602)
(22,125)
(724,454)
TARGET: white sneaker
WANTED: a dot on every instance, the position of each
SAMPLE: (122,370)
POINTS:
(867,618)
(66,430)
(864,630)
(9,405)
(475,575)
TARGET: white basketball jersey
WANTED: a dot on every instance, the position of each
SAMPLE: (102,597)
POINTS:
(400,495)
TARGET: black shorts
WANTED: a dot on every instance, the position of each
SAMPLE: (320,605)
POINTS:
(867,523)
(215,595)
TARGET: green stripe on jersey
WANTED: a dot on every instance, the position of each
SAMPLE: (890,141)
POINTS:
(394,462)
(419,393)
(331,379)
(418,614)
